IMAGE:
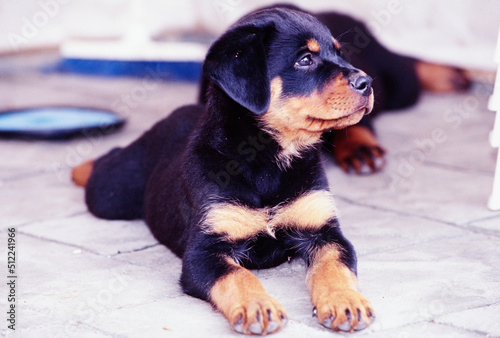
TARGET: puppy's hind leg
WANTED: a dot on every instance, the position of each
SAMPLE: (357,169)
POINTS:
(115,183)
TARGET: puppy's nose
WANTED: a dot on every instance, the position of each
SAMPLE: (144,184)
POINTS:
(361,83)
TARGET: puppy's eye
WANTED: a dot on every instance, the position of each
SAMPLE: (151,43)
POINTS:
(305,61)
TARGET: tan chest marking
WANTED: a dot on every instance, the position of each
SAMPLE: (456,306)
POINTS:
(236,221)
(312,210)
(309,211)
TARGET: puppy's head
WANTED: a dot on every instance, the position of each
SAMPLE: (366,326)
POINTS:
(284,66)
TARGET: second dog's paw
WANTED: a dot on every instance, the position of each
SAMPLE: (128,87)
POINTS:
(441,78)
(356,149)
(362,159)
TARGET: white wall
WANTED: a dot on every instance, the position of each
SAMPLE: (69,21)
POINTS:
(461,32)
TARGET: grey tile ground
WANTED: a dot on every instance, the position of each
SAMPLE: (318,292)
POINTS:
(488,225)
(37,197)
(434,279)
(478,319)
(85,232)
(374,230)
(63,287)
(428,247)
(426,329)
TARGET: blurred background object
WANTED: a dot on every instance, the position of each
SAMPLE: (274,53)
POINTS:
(458,32)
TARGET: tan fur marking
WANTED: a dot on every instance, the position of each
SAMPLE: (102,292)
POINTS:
(440,78)
(298,122)
(336,43)
(241,295)
(327,271)
(312,210)
(236,221)
(81,174)
(309,211)
(334,290)
(313,45)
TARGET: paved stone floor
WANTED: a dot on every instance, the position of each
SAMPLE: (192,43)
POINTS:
(428,247)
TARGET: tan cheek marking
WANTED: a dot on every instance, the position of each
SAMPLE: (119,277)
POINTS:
(276,90)
(313,45)
(298,122)
(310,211)
(281,121)
(236,221)
(312,113)
(285,120)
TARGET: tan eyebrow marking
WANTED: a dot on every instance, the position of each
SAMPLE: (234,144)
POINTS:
(313,45)
(336,43)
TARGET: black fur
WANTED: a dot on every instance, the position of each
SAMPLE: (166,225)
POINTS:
(200,156)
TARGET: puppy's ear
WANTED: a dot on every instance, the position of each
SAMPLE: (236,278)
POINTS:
(237,63)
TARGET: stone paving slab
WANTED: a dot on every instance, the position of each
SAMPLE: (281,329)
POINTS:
(64,286)
(434,279)
(424,329)
(98,236)
(441,194)
(60,330)
(479,319)
(490,225)
(373,230)
(38,197)
(446,130)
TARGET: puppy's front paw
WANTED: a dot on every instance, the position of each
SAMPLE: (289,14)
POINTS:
(258,317)
(344,310)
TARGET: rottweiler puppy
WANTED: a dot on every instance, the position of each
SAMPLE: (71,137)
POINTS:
(238,184)
(398,81)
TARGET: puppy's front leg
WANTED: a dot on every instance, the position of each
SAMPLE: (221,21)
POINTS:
(242,299)
(334,292)
(214,276)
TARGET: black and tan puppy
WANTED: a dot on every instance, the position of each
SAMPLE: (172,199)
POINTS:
(398,81)
(238,184)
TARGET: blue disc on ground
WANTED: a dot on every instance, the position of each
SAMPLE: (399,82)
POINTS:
(57,122)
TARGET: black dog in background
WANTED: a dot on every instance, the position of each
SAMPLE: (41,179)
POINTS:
(397,83)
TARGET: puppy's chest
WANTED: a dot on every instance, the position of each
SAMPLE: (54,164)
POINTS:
(235,222)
